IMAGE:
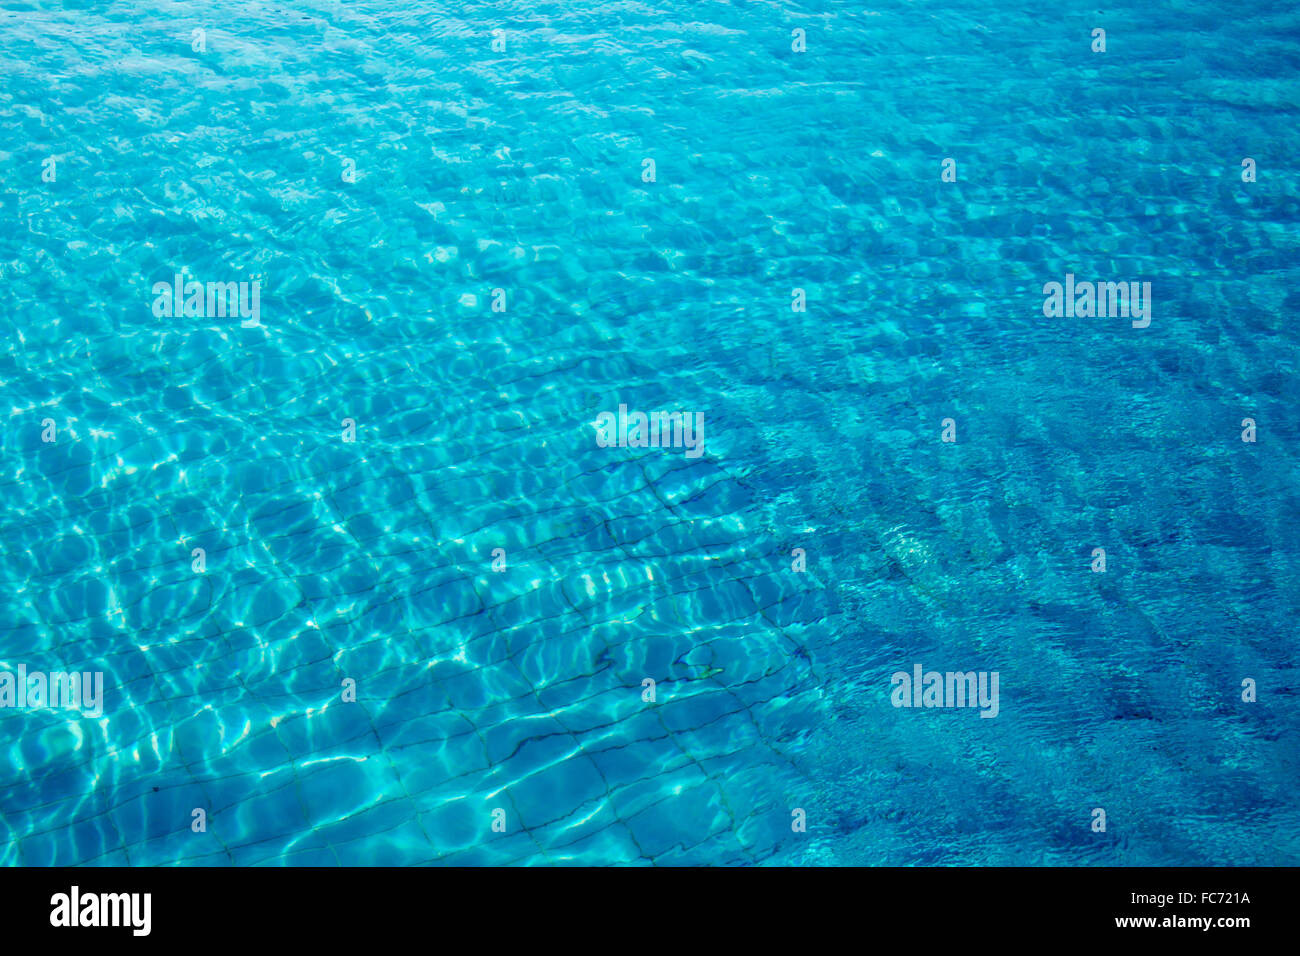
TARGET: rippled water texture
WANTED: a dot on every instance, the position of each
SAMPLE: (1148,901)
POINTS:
(380,169)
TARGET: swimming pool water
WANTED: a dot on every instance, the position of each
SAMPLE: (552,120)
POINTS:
(395,480)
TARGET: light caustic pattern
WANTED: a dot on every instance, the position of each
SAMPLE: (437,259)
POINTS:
(381,168)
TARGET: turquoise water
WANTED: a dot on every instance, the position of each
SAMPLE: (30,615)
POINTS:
(380,169)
